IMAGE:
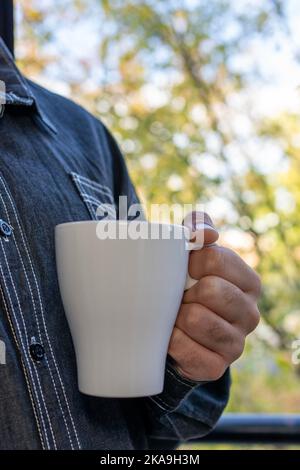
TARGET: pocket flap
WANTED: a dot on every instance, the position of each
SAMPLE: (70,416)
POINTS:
(97,197)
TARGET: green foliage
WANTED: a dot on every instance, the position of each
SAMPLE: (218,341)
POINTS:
(171,74)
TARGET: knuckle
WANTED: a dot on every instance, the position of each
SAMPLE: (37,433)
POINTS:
(191,317)
(189,364)
(254,317)
(230,295)
(174,342)
(251,312)
(217,369)
(215,259)
(250,315)
(256,283)
(218,333)
(238,348)
(207,286)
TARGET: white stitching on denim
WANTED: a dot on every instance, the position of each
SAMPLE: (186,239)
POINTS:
(33,403)
(23,366)
(24,348)
(37,322)
(94,185)
(176,430)
(9,221)
(178,379)
(50,347)
(24,326)
(42,312)
(157,400)
(168,407)
(102,191)
(88,199)
(94,201)
(97,187)
(160,406)
(89,205)
(60,405)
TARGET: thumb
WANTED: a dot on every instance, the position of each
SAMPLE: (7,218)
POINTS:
(201,227)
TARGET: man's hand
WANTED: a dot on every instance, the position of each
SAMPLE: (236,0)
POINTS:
(216,314)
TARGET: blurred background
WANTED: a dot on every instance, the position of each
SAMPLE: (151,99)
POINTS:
(204,99)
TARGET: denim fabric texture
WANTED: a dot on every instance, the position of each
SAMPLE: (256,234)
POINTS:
(58,164)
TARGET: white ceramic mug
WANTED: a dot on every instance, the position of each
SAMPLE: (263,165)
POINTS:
(121,298)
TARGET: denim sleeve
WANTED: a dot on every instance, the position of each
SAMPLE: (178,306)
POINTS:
(185,409)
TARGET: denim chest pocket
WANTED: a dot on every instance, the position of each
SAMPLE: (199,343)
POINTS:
(97,197)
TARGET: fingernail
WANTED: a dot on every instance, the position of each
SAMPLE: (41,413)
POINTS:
(198,221)
(205,226)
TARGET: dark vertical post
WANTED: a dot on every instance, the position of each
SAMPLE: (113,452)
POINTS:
(7,23)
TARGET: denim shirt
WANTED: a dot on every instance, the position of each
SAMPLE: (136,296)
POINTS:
(58,164)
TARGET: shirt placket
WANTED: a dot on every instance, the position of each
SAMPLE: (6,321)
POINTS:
(23,303)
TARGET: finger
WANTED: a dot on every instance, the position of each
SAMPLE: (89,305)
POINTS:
(195,361)
(211,331)
(223,262)
(226,300)
(201,227)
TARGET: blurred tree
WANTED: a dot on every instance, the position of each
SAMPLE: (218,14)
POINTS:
(170,81)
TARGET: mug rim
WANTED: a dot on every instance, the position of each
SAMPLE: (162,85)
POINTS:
(92,222)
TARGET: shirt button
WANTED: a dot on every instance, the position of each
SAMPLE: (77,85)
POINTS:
(37,352)
(5,229)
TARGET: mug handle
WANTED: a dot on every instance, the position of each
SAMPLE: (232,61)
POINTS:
(190,282)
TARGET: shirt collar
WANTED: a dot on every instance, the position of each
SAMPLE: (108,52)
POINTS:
(16,90)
